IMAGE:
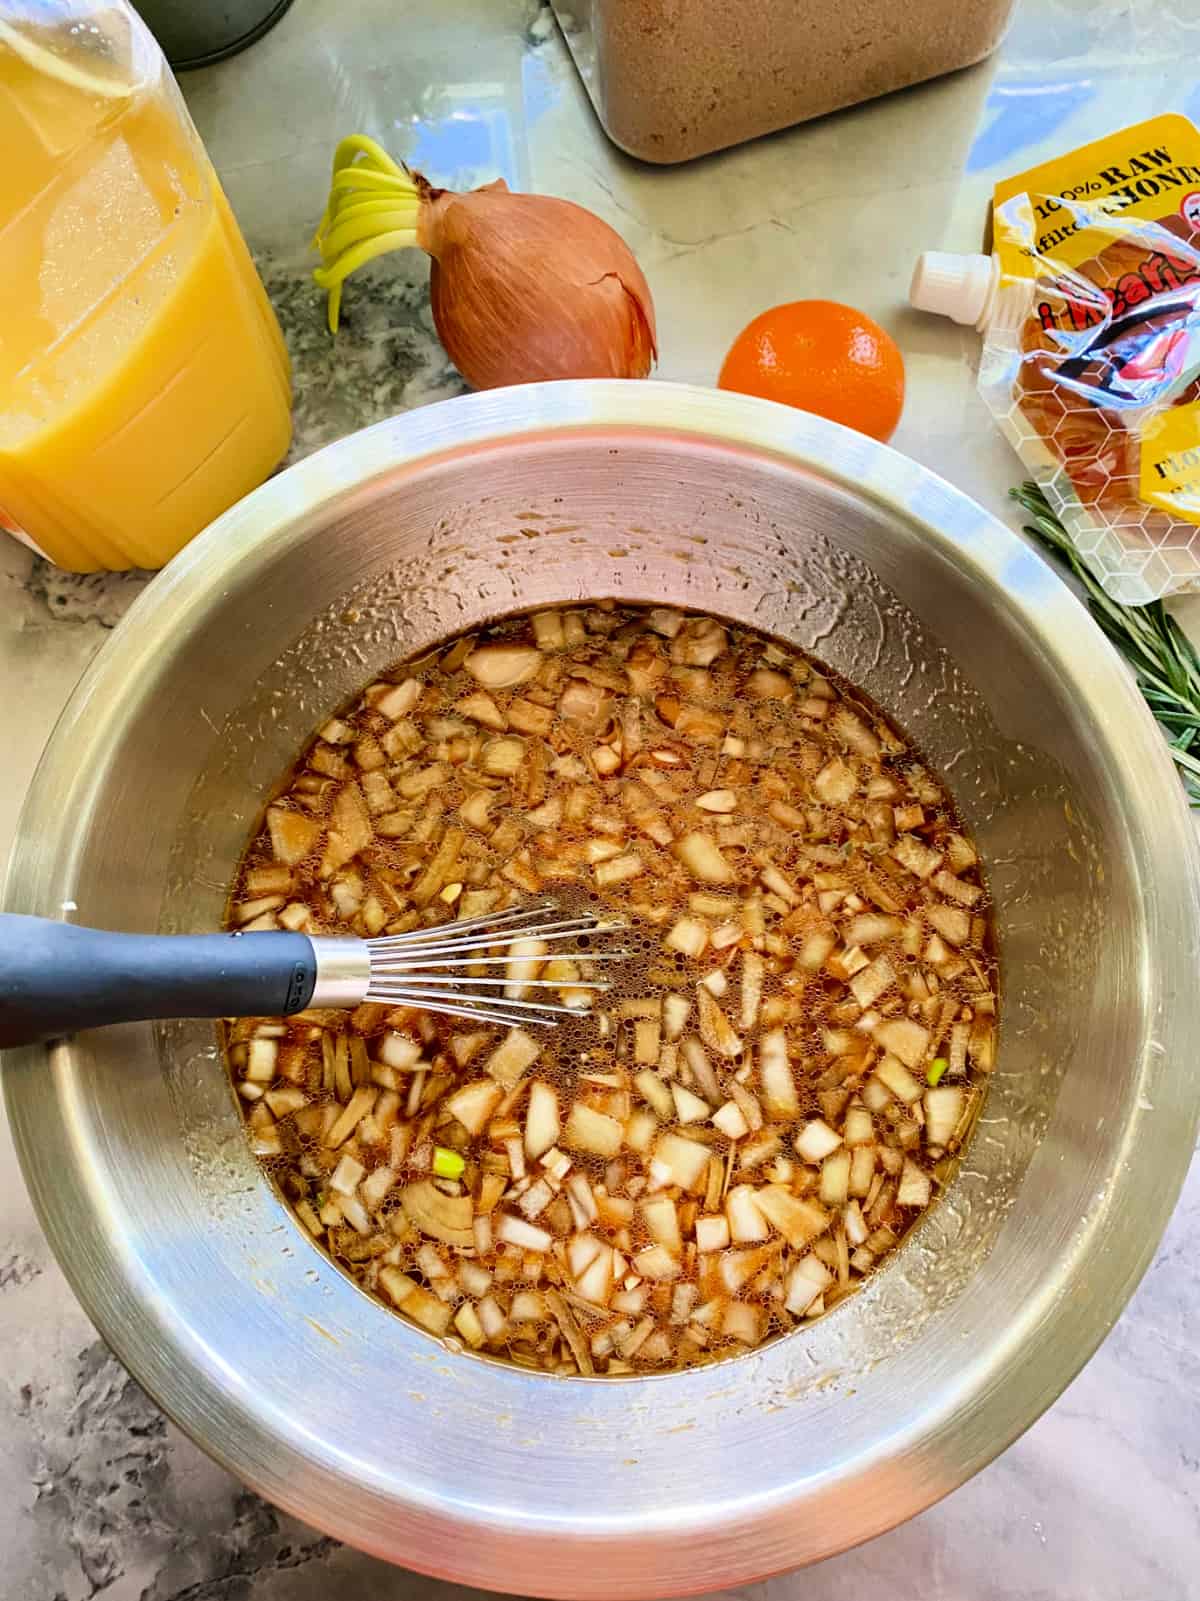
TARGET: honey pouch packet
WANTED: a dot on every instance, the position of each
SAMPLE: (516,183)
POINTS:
(1090,310)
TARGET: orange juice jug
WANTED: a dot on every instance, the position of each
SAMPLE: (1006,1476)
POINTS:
(144,384)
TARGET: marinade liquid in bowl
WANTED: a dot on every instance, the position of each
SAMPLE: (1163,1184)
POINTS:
(728,1141)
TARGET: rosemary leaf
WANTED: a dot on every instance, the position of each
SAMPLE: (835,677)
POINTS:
(1164,660)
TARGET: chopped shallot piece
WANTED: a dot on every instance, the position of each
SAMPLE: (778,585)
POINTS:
(702,858)
(816,1140)
(717,800)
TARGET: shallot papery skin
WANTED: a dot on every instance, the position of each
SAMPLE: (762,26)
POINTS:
(527,287)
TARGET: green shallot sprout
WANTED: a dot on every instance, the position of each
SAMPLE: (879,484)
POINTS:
(936,1068)
(447,1164)
(372,208)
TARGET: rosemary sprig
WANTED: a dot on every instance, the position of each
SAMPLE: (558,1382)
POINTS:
(1163,659)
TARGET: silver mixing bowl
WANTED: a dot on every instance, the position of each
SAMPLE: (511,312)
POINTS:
(329,1405)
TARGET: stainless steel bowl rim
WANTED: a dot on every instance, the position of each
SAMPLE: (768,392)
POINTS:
(251,534)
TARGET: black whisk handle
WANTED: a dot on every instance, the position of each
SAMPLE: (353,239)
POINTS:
(56,978)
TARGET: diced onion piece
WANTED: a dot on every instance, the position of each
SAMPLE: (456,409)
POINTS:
(689,1108)
(542,1125)
(753,973)
(835,1178)
(715,1028)
(862,1169)
(656,1092)
(377,1185)
(915,1185)
(701,1070)
(675,1012)
(953,923)
(582,1201)
(957,889)
(618,870)
(747,1104)
(712,1233)
(492,1318)
(528,1306)
(589,1130)
(816,1140)
(816,949)
(474,810)
(474,1104)
(981,1047)
(641,1128)
(859,1129)
(533,1202)
(395,701)
(466,1321)
(737,1267)
(689,936)
(916,856)
(418,1304)
(905,1039)
(503,666)
(775,1072)
(699,642)
(503,756)
(806,1281)
(361,1102)
(515,1152)
(656,1262)
(853,732)
(747,1224)
(960,853)
(835,784)
(717,800)
(701,856)
(869,984)
(730,1119)
(443,1217)
(678,1160)
(662,1222)
(943,1108)
(293,835)
(398,1051)
(350,829)
(595,1282)
(526,1236)
(346,1175)
(800,1221)
(743,1322)
(285,1100)
(895,1077)
(515,1054)
(262,1060)
(248,911)
(481,708)
(857,1231)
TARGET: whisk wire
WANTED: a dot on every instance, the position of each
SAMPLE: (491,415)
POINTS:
(438,967)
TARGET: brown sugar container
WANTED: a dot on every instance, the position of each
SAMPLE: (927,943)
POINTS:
(674,79)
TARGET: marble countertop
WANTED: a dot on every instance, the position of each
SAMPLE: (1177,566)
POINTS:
(1100,1500)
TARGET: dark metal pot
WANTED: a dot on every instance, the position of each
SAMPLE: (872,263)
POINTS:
(195,33)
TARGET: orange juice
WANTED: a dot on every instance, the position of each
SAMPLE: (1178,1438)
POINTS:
(144,385)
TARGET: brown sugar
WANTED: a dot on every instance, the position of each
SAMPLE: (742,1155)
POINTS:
(674,79)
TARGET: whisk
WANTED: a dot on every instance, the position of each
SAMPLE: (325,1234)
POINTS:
(56,978)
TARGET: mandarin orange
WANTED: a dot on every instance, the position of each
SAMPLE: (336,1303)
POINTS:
(821,356)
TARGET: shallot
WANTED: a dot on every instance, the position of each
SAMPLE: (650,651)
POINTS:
(523,287)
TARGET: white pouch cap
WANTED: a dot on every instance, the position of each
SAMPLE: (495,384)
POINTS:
(962,287)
